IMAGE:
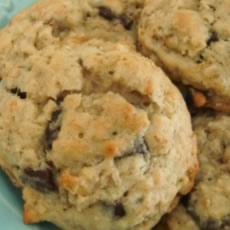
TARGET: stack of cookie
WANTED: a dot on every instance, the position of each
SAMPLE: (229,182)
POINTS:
(191,41)
(93,130)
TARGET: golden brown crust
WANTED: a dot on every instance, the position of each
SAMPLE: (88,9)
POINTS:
(190,40)
(110,141)
(30,216)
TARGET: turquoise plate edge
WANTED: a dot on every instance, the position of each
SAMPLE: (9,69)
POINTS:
(9,8)
(11,203)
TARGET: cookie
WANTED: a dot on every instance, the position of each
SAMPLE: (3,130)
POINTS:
(95,134)
(49,21)
(190,40)
(179,219)
(127,12)
(208,205)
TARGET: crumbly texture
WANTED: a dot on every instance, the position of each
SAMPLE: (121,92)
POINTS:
(48,21)
(95,134)
(190,39)
(207,207)
(179,219)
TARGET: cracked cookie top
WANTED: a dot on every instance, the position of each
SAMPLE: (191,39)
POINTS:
(190,40)
(95,134)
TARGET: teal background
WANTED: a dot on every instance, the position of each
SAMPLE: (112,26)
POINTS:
(11,203)
(9,8)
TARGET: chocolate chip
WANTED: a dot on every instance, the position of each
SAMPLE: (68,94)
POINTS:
(200,59)
(119,210)
(22,95)
(114,133)
(109,15)
(80,62)
(106,13)
(210,225)
(55,115)
(220,224)
(212,8)
(41,180)
(204,224)
(213,38)
(126,22)
(61,96)
(14,90)
(19,93)
(60,29)
(225,222)
(52,130)
(81,135)
(140,148)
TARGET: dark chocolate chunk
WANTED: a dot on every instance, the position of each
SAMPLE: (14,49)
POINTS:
(225,222)
(109,15)
(22,95)
(185,201)
(212,8)
(140,148)
(60,29)
(220,224)
(14,90)
(213,38)
(41,180)
(81,135)
(19,93)
(205,224)
(114,133)
(200,59)
(52,130)
(65,93)
(80,61)
(55,115)
(119,210)
(62,96)
(210,225)
(126,22)
(106,13)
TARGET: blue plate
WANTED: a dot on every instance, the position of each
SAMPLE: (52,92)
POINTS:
(11,203)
